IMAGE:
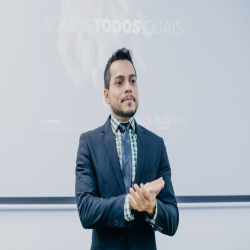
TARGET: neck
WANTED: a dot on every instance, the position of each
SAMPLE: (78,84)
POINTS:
(121,119)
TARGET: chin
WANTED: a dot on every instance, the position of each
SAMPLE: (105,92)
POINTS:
(130,112)
(132,109)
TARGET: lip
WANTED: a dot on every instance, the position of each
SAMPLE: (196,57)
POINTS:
(129,99)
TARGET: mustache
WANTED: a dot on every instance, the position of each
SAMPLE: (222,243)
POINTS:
(129,96)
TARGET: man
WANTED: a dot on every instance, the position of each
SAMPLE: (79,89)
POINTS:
(123,177)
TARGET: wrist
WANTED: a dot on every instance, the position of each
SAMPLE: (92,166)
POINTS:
(151,211)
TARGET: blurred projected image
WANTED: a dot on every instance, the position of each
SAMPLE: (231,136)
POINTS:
(89,31)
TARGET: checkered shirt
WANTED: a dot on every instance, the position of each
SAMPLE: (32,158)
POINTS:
(133,138)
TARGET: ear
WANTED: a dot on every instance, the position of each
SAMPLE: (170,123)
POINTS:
(106,96)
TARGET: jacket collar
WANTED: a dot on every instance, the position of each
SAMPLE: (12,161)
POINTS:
(107,125)
(116,122)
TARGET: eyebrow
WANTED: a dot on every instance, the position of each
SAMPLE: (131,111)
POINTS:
(121,76)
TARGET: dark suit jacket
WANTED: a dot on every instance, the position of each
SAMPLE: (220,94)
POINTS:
(100,191)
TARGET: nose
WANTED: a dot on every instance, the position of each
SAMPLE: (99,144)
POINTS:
(128,87)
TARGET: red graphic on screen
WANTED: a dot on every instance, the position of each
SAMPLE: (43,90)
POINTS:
(168,121)
(163,122)
(147,121)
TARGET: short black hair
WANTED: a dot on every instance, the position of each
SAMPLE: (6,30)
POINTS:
(120,54)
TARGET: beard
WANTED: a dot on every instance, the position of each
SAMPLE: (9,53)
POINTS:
(121,113)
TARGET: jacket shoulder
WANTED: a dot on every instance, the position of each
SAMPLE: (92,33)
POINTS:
(94,136)
(150,134)
(92,133)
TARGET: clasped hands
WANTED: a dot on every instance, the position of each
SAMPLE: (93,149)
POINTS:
(143,197)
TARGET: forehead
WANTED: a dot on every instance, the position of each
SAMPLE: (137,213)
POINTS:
(121,67)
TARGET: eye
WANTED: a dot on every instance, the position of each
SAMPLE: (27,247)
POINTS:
(119,82)
(133,81)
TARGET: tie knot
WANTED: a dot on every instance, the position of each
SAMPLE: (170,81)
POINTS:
(124,126)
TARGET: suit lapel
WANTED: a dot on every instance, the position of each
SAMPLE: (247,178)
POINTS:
(141,152)
(109,142)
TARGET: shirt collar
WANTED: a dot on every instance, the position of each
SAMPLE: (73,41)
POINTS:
(116,122)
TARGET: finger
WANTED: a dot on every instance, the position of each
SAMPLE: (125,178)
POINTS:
(96,74)
(159,179)
(132,203)
(163,184)
(140,193)
(145,192)
(88,55)
(135,196)
(160,184)
(81,37)
(103,50)
(136,46)
(154,186)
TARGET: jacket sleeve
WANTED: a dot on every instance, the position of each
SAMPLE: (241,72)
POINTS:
(167,219)
(94,211)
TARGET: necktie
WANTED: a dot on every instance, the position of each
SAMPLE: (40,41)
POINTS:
(126,156)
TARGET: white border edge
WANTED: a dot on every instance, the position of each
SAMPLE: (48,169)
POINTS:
(45,207)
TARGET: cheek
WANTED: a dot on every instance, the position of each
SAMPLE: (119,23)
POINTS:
(135,92)
(117,95)
(115,99)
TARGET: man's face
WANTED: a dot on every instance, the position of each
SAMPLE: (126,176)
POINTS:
(123,85)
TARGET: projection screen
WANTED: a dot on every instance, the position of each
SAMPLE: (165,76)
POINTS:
(192,61)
